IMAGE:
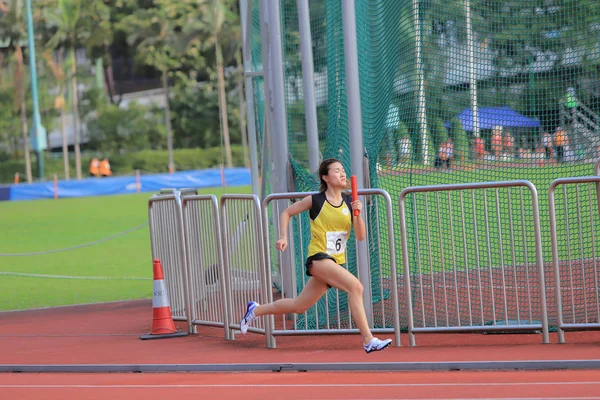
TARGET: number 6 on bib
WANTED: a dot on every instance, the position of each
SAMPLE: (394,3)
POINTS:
(336,242)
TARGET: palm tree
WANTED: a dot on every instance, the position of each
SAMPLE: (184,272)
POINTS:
(217,18)
(20,94)
(59,75)
(157,33)
(242,105)
(66,19)
(13,26)
(101,26)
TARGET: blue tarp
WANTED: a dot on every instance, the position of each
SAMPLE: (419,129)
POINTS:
(4,193)
(126,184)
(489,117)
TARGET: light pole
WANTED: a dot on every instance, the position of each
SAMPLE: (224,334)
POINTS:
(38,132)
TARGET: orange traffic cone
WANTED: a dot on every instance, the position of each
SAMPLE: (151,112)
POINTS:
(162,320)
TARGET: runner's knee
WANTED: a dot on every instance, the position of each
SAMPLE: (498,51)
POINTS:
(356,287)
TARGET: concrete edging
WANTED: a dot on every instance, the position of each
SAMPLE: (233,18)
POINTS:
(546,365)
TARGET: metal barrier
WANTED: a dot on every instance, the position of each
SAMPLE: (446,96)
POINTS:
(167,244)
(476,280)
(341,320)
(576,270)
(204,257)
(243,259)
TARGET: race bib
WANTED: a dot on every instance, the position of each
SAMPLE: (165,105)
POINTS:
(336,242)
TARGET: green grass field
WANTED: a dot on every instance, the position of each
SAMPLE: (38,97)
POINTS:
(117,269)
(440,236)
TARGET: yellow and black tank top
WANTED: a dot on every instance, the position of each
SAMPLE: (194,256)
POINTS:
(330,227)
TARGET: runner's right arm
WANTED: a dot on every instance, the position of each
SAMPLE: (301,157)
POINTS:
(284,220)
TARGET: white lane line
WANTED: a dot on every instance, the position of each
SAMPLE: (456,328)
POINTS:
(478,398)
(93,278)
(300,385)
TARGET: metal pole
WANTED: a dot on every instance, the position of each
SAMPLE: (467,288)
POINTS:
(422,109)
(277,96)
(278,130)
(246,12)
(356,138)
(274,120)
(38,130)
(267,123)
(472,70)
(540,263)
(555,263)
(308,80)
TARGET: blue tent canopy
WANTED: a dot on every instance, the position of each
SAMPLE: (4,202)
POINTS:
(489,117)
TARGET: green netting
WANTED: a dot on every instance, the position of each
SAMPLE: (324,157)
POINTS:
(257,82)
(511,93)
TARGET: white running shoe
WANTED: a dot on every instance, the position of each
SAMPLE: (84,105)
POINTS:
(377,345)
(248,317)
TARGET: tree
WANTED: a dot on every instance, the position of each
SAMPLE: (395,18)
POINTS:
(519,32)
(195,109)
(128,129)
(242,107)
(102,22)
(443,26)
(10,129)
(59,75)
(13,26)
(157,33)
(220,25)
(66,17)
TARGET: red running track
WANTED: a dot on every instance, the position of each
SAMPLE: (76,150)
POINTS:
(109,334)
(524,385)
(106,334)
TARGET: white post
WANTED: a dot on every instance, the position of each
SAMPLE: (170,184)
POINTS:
(265,163)
(422,109)
(277,99)
(277,129)
(308,80)
(246,12)
(472,70)
(356,139)
(138,181)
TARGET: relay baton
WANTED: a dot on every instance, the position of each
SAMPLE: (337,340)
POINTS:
(354,192)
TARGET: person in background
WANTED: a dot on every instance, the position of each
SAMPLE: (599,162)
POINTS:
(497,142)
(440,159)
(95,167)
(105,170)
(445,154)
(547,144)
(571,103)
(560,141)
(449,152)
(404,149)
(479,148)
(509,145)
